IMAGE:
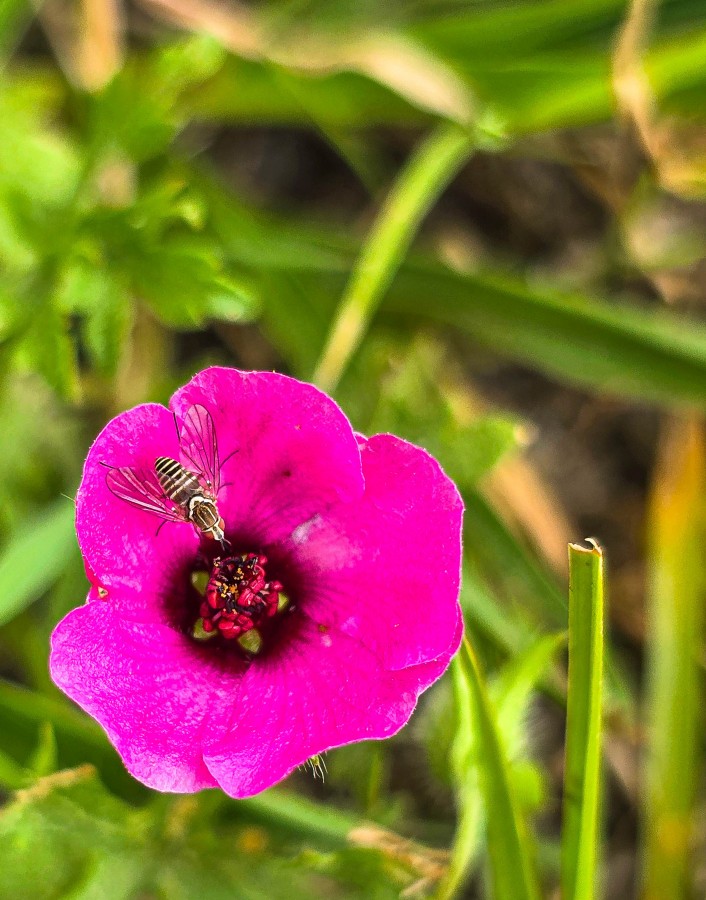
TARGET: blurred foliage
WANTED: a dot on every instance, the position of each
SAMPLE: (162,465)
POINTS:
(184,183)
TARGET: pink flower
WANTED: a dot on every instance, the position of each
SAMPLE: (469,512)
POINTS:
(341,559)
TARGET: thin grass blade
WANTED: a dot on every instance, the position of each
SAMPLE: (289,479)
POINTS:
(509,842)
(582,776)
(431,168)
(674,694)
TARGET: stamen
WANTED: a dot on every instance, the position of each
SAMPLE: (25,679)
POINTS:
(238,596)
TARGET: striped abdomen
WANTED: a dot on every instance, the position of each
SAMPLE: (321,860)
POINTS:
(178,483)
(183,488)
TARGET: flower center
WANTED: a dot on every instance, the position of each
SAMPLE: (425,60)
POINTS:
(238,596)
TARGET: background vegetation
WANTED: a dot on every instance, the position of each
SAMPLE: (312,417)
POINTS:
(479,224)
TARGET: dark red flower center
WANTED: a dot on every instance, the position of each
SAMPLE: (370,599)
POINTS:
(238,596)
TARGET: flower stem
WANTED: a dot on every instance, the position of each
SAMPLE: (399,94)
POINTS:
(422,180)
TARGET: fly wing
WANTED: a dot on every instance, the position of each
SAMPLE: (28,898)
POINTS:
(141,488)
(200,446)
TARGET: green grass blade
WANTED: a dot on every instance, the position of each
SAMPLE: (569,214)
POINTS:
(646,354)
(622,350)
(583,723)
(674,692)
(33,560)
(431,168)
(509,844)
(288,811)
(467,842)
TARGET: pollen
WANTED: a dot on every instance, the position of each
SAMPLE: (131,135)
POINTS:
(238,596)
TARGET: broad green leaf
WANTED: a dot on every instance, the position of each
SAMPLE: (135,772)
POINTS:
(141,124)
(60,836)
(253,93)
(584,710)
(34,558)
(90,291)
(504,31)
(47,347)
(184,284)
(538,65)
(35,160)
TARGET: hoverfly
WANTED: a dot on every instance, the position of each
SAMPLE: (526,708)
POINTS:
(173,491)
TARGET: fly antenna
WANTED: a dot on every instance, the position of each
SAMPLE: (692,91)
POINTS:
(232,453)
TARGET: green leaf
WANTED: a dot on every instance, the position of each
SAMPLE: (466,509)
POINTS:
(34,559)
(514,571)
(248,91)
(89,289)
(107,329)
(509,844)
(127,119)
(621,350)
(421,400)
(46,346)
(582,770)
(66,836)
(184,284)
(44,759)
(35,160)
(513,689)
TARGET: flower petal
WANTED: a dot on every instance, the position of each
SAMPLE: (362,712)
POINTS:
(148,687)
(296,452)
(319,690)
(386,570)
(119,541)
